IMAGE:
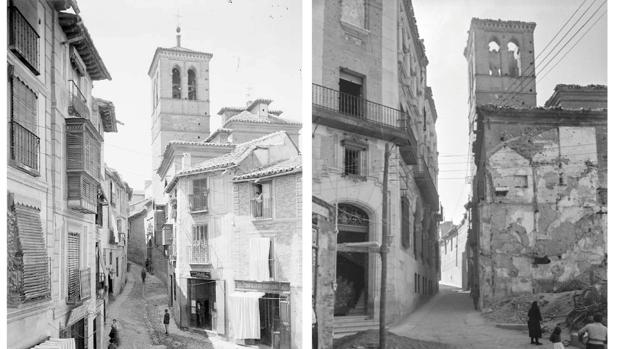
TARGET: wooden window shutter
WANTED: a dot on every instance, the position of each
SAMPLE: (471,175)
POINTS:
(35,261)
(24,105)
(74,146)
(73,252)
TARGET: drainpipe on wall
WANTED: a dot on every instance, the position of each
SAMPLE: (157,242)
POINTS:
(53,138)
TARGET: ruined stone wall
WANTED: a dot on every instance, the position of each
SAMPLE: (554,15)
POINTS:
(541,223)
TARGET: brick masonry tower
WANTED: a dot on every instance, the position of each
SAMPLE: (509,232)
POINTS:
(500,56)
(180,100)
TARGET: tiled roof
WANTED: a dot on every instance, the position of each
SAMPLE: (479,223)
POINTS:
(292,165)
(216,133)
(247,116)
(225,161)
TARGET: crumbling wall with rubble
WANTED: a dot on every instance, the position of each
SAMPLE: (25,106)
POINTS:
(543,220)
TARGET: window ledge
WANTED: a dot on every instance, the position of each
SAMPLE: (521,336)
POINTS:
(27,309)
(355,178)
(262,218)
(199,211)
(24,168)
(354,29)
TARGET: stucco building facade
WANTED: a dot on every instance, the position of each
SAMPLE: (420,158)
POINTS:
(370,96)
(452,248)
(55,175)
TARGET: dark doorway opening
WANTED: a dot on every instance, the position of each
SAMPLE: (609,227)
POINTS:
(202,296)
(352,268)
(351,100)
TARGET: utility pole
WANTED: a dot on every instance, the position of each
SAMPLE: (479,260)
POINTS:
(385,243)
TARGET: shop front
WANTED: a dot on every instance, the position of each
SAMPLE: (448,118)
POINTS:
(260,313)
(205,302)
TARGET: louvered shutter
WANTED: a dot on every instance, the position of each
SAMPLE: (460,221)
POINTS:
(24,105)
(74,150)
(35,261)
(73,249)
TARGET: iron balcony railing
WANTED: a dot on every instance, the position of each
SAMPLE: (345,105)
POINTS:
(199,253)
(355,106)
(24,147)
(198,202)
(261,208)
(23,39)
(78,105)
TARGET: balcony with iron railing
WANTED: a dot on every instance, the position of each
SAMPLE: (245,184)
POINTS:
(356,114)
(426,183)
(78,104)
(261,208)
(199,253)
(198,202)
(23,40)
(25,147)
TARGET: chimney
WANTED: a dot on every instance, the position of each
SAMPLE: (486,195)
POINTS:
(186,161)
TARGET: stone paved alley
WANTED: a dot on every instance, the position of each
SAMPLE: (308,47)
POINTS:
(139,310)
(450,318)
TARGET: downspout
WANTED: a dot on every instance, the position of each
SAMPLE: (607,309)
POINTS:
(53,138)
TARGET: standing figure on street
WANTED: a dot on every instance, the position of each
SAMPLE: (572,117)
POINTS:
(114,340)
(143,275)
(166,321)
(596,333)
(535,331)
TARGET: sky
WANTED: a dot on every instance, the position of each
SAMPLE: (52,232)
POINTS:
(257,53)
(257,48)
(444,24)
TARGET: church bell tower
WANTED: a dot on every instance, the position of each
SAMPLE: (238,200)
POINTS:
(180,100)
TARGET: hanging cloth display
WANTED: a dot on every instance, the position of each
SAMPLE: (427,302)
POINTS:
(259,251)
(244,315)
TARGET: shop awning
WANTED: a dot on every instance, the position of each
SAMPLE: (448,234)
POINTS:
(57,343)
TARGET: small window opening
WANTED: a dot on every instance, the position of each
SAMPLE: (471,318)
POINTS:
(352,161)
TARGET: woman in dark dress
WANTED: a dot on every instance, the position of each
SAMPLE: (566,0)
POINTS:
(535,331)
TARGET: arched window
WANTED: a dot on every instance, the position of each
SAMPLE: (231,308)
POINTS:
(192,85)
(175,84)
(494,58)
(514,59)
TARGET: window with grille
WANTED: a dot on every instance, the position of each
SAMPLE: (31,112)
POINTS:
(200,253)
(25,143)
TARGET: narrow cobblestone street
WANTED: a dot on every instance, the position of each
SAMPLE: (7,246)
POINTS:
(450,318)
(139,310)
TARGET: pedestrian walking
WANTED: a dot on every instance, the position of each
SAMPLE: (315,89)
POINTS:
(143,275)
(533,323)
(596,333)
(114,338)
(556,338)
(166,321)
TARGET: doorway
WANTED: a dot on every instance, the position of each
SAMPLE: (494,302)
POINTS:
(351,89)
(352,268)
(202,297)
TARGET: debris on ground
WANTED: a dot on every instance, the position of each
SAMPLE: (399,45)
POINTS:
(570,309)
(370,340)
